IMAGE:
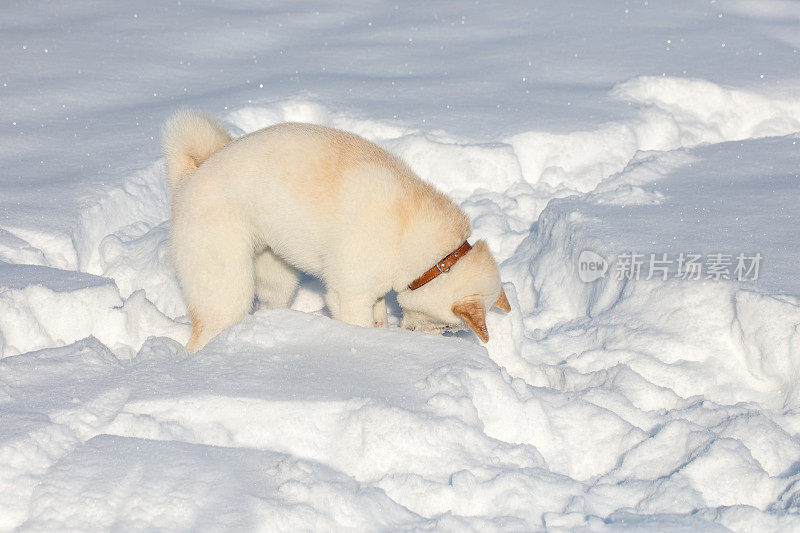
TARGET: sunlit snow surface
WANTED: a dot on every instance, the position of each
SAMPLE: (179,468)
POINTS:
(663,129)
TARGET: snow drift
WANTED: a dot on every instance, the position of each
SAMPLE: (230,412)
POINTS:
(640,402)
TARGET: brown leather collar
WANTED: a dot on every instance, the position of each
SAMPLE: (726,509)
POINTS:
(441,267)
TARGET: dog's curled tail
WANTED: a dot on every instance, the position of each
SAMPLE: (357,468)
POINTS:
(190,137)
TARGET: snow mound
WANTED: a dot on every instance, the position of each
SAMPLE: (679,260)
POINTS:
(49,307)
(674,113)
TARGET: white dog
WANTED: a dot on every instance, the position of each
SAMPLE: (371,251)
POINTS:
(247,213)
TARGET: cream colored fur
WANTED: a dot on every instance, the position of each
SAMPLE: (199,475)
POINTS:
(247,213)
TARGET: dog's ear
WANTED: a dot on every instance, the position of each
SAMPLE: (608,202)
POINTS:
(502,302)
(473,313)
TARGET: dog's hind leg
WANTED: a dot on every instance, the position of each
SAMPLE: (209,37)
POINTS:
(380,318)
(276,280)
(215,267)
(332,301)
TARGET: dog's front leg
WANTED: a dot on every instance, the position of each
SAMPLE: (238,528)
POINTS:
(355,309)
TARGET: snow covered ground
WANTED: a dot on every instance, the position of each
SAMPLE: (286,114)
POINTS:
(583,139)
